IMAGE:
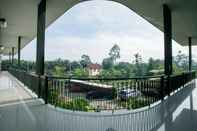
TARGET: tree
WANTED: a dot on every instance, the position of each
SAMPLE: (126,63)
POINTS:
(154,66)
(176,69)
(105,74)
(150,64)
(58,71)
(125,68)
(74,65)
(85,60)
(114,53)
(110,73)
(138,65)
(79,72)
(181,60)
(107,63)
(50,66)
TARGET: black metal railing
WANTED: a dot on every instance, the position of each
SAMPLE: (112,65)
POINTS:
(94,94)
(35,83)
(103,94)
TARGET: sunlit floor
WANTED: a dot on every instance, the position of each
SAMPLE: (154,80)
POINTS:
(11,90)
(177,113)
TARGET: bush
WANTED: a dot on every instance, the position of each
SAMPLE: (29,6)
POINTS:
(134,103)
(137,103)
(114,93)
(78,104)
(53,97)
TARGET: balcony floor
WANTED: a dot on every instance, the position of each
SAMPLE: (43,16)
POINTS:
(11,90)
(19,112)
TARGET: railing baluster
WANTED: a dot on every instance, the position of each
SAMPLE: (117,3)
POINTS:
(46,90)
(60,91)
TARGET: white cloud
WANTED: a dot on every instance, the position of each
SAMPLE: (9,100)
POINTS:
(104,24)
(98,47)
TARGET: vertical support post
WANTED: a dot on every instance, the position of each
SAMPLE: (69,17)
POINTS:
(40,51)
(167,39)
(168,85)
(19,51)
(12,55)
(40,38)
(190,53)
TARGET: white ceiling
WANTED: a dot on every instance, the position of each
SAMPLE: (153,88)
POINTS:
(21,16)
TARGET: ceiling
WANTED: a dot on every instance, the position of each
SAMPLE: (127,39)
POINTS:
(21,16)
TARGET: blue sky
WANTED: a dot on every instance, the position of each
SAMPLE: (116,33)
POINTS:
(93,27)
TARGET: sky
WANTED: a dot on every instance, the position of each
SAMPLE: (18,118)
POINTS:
(93,27)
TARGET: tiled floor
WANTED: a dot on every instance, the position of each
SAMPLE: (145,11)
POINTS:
(11,90)
(177,113)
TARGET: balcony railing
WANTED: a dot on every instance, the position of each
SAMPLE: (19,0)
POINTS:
(96,95)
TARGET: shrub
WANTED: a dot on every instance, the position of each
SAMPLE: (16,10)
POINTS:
(136,103)
(133,103)
(78,104)
(114,93)
(53,97)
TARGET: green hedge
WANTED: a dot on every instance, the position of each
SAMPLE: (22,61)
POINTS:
(133,103)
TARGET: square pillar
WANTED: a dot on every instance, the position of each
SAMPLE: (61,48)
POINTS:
(19,50)
(40,38)
(12,55)
(167,20)
(190,53)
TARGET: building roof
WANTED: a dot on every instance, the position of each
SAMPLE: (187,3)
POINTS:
(94,66)
(91,83)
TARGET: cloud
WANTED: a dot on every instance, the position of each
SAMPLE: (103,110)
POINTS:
(98,47)
(93,27)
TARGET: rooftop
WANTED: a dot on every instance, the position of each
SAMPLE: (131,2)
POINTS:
(94,66)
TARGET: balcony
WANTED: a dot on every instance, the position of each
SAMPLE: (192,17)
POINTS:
(11,91)
(26,109)
(36,102)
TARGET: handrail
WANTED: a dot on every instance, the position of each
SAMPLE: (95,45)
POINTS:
(66,92)
(118,78)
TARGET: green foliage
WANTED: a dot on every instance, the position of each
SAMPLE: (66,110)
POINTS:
(177,70)
(85,61)
(125,68)
(154,67)
(133,103)
(110,68)
(77,104)
(139,70)
(74,65)
(53,97)
(181,62)
(80,72)
(58,71)
(114,93)
(110,73)
(114,53)
(54,67)
(122,69)
(107,63)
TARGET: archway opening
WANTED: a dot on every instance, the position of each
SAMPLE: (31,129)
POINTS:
(90,30)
